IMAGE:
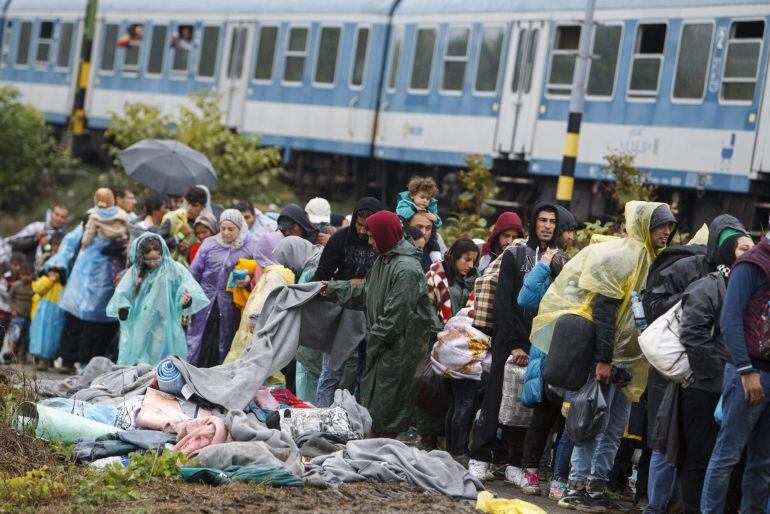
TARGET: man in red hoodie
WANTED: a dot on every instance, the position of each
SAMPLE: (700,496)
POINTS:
(507,228)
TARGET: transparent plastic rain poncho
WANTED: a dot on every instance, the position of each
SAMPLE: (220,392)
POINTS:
(613,268)
(153,328)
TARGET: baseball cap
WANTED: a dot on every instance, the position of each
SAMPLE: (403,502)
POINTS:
(318,210)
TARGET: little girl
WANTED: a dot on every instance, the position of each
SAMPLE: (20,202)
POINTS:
(150,300)
(106,220)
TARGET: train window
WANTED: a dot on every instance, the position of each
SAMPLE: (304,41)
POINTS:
(328,52)
(395,58)
(207,61)
(109,45)
(131,43)
(565,47)
(157,49)
(44,44)
(359,58)
(647,60)
(296,54)
(488,67)
(237,52)
(263,70)
(182,43)
(526,50)
(606,47)
(739,78)
(64,51)
(455,58)
(22,48)
(693,61)
(422,60)
(6,48)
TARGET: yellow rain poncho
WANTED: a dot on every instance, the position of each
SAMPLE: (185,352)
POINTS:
(614,269)
(273,276)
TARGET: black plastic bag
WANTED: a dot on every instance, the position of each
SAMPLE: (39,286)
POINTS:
(587,413)
(433,395)
(571,354)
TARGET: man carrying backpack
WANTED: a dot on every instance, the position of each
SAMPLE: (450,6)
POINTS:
(510,337)
(745,327)
(673,271)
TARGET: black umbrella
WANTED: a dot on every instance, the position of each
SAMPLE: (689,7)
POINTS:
(167,166)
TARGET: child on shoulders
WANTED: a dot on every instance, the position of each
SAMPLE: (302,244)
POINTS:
(419,197)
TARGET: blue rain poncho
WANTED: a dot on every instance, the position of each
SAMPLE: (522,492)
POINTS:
(90,284)
(152,329)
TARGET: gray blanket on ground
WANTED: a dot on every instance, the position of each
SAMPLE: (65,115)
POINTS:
(102,381)
(291,316)
(255,445)
(384,460)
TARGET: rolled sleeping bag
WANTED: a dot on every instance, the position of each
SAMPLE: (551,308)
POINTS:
(170,379)
(53,424)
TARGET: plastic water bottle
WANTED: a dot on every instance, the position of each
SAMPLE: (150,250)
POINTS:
(637,309)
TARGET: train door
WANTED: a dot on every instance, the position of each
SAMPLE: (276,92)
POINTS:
(761,160)
(234,75)
(521,89)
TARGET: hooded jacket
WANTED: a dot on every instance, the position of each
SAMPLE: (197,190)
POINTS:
(506,221)
(295,214)
(612,269)
(665,287)
(398,319)
(346,254)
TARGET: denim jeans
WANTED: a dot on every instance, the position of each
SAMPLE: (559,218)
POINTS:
(661,484)
(563,456)
(743,426)
(458,418)
(593,460)
(327,383)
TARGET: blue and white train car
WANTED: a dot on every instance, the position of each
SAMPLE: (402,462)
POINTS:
(298,72)
(40,44)
(680,83)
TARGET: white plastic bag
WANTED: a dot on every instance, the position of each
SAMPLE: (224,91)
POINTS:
(661,346)
(512,412)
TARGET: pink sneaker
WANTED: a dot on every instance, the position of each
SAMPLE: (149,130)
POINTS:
(558,490)
(533,483)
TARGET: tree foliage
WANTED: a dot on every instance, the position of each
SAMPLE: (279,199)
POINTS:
(478,187)
(244,168)
(30,157)
(628,183)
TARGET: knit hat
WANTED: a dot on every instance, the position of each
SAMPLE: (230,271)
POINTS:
(318,210)
(727,233)
(661,216)
(386,230)
(506,221)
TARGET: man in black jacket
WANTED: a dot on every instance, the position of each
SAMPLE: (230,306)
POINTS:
(346,256)
(664,289)
(293,221)
(510,338)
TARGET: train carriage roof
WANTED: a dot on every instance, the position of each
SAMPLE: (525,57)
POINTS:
(45,6)
(408,7)
(248,7)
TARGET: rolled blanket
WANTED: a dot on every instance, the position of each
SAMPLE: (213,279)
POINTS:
(170,379)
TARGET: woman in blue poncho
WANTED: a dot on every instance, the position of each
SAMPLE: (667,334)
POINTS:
(150,300)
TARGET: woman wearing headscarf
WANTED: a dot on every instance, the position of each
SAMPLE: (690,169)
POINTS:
(150,300)
(301,257)
(212,329)
(507,228)
(205,226)
(398,317)
(273,275)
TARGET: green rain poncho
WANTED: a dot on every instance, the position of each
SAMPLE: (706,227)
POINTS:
(614,269)
(398,318)
(153,329)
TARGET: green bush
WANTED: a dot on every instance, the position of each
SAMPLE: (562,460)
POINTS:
(478,187)
(30,158)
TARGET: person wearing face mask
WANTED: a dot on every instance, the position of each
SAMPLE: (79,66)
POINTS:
(702,340)
(150,300)
(212,329)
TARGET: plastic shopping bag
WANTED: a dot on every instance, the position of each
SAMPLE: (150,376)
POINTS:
(587,413)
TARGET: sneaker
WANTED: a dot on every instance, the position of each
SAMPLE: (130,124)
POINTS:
(591,502)
(572,497)
(480,470)
(515,476)
(533,483)
(558,490)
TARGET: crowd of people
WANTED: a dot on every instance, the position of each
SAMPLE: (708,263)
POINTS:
(485,347)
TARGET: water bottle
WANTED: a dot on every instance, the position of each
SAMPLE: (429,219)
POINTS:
(638,311)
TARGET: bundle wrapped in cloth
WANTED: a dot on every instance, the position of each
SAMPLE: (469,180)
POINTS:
(461,351)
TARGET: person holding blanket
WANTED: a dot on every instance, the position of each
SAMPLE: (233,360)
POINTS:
(150,300)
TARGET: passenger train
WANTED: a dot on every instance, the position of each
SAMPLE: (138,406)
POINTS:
(357,90)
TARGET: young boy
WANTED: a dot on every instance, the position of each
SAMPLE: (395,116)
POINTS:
(419,197)
(20,301)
